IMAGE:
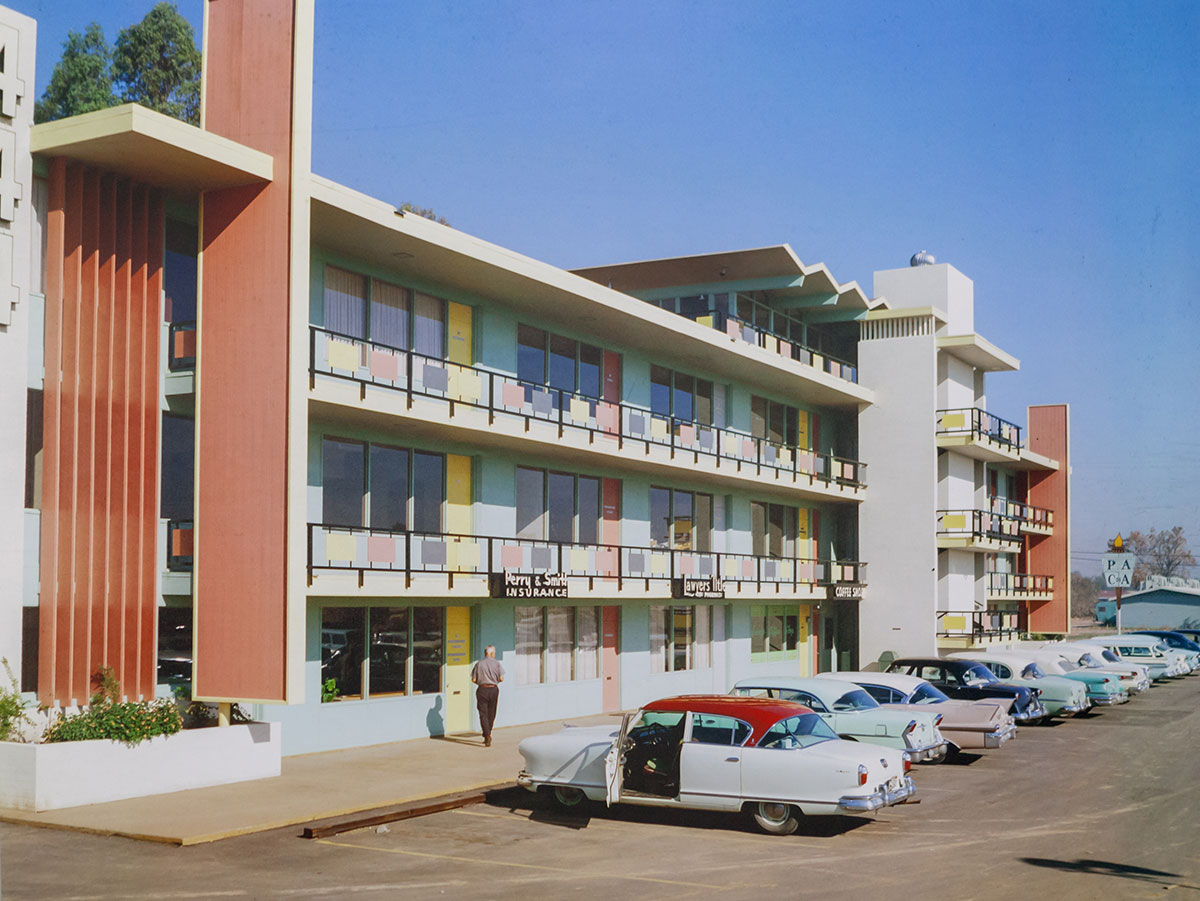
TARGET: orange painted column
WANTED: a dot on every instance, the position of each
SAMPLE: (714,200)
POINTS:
(241,513)
(99,550)
(1049,434)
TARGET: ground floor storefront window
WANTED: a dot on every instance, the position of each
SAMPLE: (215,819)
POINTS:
(774,633)
(680,638)
(557,644)
(381,651)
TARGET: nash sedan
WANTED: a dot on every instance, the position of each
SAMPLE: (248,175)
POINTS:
(1134,678)
(1061,695)
(965,724)
(969,681)
(855,715)
(777,759)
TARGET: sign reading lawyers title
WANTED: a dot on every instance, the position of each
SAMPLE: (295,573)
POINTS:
(851,591)
(529,585)
(708,587)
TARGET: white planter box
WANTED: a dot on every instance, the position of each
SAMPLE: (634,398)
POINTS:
(70,773)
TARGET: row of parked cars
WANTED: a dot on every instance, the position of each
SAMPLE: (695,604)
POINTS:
(785,746)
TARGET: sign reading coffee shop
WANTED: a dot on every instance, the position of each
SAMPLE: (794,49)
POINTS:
(708,587)
(842,591)
(529,585)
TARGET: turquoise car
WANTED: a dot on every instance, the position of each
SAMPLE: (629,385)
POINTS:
(855,715)
(1104,689)
(1062,696)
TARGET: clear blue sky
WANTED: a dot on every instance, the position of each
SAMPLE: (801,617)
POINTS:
(1048,150)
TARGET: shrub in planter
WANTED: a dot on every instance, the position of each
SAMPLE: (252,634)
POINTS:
(12,706)
(107,717)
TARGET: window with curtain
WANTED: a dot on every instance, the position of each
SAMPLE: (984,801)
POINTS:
(773,529)
(558,506)
(343,482)
(774,632)
(774,422)
(560,644)
(587,655)
(529,645)
(375,484)
(389,322)
(429,326)
(680,638)
(345,302)
(680,519)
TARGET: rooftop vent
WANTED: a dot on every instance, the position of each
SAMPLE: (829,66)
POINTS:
(922,258)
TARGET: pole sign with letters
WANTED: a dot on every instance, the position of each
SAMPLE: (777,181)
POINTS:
(1118,570)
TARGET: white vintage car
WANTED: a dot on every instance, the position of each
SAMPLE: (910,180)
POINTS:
(775,758)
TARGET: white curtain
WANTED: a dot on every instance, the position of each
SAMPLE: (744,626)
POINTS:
(658,639)
(345,302)
(429,326)
(703,657)
(587,665)
(389,314)
(560,648)
(529,645)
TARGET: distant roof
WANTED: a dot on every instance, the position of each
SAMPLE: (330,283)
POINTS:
(734,266)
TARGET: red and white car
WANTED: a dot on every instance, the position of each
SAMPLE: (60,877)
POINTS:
(777,759)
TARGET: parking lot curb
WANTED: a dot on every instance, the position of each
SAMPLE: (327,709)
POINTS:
(383,815)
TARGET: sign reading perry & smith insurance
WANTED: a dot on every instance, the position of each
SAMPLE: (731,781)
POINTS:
(529,585)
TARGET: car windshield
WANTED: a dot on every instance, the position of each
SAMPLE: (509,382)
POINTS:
(799,731)
(855,700)
(927,694)
(1032,671)
(977,674)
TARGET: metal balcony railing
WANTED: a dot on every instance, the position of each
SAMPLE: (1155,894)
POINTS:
(979,624)
(368,363)
(181,346)
(979,425)
(362,550)
(179,545)
(1027,514)
(979,525)
(740,330)
(1019,583)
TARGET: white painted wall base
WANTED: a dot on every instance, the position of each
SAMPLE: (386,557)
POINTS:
(71,773)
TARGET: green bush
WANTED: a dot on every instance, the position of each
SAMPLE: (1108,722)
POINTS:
(12,705)
(107,717)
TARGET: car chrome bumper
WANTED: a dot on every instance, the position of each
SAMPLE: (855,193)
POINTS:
(1035,711)
(929,752)
(883,798)
(1081,707)
(525,780)
(1110,700)
(1000,736)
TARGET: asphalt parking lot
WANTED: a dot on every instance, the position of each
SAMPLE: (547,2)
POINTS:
(1105,805)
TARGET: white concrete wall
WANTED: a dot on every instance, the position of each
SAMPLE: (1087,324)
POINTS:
(957,582)
(897,521)
(956,385)
(18,36)
(940,286)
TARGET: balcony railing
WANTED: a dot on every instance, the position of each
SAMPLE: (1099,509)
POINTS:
(979,525)
(1019,583)
(740,330)
(181,346)
(364,550)
(179,545)
(978,425)
(368,363)
(979,624)
(1027,514)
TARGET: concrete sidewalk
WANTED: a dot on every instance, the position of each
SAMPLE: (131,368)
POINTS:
(312,787)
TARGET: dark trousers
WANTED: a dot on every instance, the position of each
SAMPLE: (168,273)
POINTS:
(486,697)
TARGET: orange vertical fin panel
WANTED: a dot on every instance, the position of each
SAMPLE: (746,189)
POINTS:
(1049,435)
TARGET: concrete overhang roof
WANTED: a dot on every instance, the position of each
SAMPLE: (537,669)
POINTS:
(977,351)
(1030,460)
(736,267)
(152,148)
(374,231)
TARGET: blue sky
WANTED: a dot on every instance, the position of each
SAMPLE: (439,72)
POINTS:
(1048,151)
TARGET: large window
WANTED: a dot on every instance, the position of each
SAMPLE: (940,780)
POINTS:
(380,486)
(179,271)
(388,314)
(557,644)
(558,506)
(178,456)
(776,422)
(774,633)
(381,651)
(565,364)
(680,519)
(684,397)
(680,638)
(773,529)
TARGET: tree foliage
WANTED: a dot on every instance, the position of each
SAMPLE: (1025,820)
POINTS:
(1085,591)
(1164,553)
(155,63)
(427,213)
(82,78)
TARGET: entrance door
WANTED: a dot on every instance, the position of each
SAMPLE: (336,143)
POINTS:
(610,662)
(458,669)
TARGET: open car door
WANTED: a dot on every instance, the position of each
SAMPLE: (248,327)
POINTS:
(614,763)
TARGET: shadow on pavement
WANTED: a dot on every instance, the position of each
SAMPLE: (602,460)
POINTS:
(1108,868)
(962,758)
(544,809)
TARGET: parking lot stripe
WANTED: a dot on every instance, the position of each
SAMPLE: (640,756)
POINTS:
(527,866)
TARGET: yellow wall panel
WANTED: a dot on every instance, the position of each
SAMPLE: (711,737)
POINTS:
(458,494)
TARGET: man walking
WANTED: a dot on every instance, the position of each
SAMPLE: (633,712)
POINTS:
(487,673)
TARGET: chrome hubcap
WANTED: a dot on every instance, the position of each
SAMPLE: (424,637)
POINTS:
(776,813)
